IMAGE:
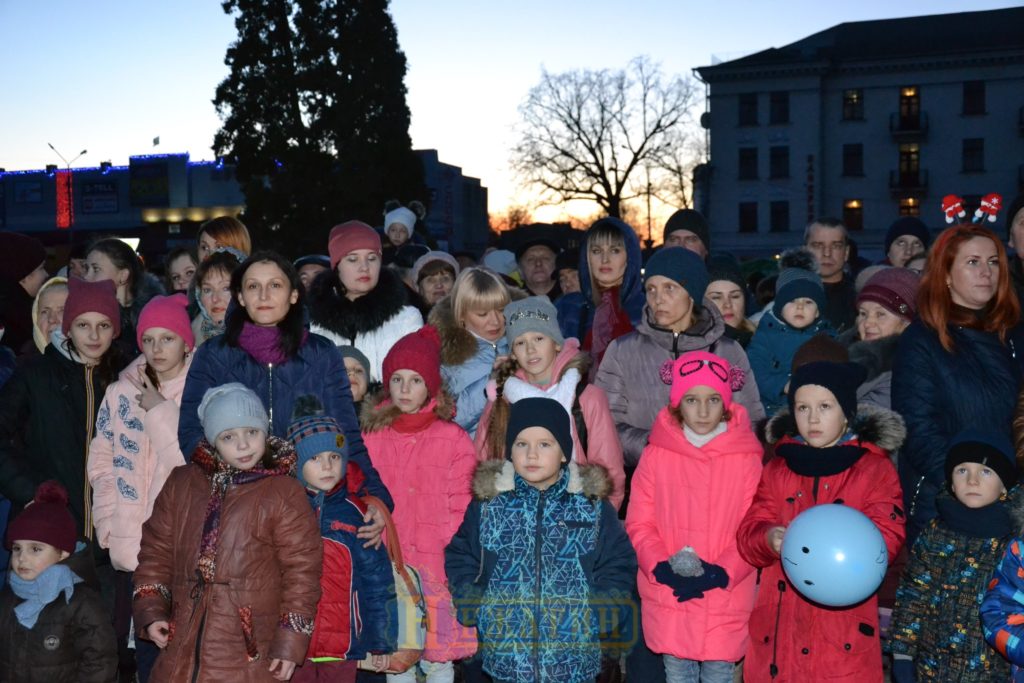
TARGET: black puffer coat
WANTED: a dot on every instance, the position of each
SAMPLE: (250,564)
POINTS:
(71,642)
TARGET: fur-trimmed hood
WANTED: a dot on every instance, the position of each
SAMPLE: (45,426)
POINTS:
(331,310)
(494,477)
(875,425)
(875,356)
(458,344)
(374,417)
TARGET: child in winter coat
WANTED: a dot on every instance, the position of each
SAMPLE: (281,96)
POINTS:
(543,363)
(828,451)
(356,617)
(427,462)
(795,317)
(541,564)
(696,479)
(53,624)
(935,633)
(229,571)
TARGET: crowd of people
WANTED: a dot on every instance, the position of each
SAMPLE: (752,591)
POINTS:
(392,461)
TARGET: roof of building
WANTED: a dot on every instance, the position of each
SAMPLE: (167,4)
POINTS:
(945,35)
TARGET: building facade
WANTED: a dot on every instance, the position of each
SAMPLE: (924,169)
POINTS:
(457,206)
(865,121)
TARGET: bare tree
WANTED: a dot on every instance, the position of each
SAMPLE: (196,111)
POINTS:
(587,134)
(514,216)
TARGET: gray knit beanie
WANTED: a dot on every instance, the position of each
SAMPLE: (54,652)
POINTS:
(230,406)
(532,314)
(796,283)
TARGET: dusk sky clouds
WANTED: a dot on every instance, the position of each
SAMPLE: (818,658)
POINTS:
(109,76)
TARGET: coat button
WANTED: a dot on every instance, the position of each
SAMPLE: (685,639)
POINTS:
(766,639)
(846,647)
(805,651)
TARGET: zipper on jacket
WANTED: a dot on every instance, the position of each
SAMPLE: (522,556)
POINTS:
(90,423)
(773,668)
(913,501)
(675,345)
(538,539)
(814,491)
(270,392)
(199,645)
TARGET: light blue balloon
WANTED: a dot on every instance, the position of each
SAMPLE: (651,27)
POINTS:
(834,555)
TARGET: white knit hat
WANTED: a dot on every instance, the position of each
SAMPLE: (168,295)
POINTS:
(230,406)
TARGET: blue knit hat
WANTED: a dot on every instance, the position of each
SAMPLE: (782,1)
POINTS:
(907,225)
(681,265)
(312,432)
(796,283)
(992,450)
(537,411)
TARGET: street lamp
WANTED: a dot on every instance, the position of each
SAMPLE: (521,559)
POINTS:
(71,206)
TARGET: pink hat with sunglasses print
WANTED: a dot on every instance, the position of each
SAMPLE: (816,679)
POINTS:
(700,368)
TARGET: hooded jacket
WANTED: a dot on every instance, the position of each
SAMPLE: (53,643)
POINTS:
(72,641)
(603,446)
(528,559)
(576,310)
(15,316)
(935,620)
(771,354)
(317,369)
(262,600)
(466,363)
(790,635)
(631,374)
(428,471)
(939,394)
(1002,607)
(373,323)
(130,458)
(681,496)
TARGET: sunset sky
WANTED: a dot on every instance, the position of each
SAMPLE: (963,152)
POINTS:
(109,76)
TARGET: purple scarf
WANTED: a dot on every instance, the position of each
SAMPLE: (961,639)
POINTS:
(264,343)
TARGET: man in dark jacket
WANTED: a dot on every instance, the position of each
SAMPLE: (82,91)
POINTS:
(826,238)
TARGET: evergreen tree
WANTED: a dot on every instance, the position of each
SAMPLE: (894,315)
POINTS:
(314,117)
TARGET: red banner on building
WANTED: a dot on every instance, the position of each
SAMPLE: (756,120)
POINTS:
(65,203)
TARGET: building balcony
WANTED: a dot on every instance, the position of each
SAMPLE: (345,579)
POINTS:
(908,183)
(904,128)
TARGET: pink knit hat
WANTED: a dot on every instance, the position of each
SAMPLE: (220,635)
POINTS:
(348,237)
(700,368)
(169,312)
(91,297)
(895,289)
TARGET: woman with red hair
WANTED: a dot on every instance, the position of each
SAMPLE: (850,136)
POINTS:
(959,364)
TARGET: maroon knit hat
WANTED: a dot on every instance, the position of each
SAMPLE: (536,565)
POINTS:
(169,312)
(350,236)
(91,297)
(895,289)
(46,520)
(19,255)
(419,351)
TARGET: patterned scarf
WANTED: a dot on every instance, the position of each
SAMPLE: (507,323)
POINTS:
(222,476)
(41,591)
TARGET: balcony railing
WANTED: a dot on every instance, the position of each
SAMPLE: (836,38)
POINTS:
(908,127)
(908,183)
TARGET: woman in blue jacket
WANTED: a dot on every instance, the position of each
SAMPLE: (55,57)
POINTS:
(959,365)
(267,348)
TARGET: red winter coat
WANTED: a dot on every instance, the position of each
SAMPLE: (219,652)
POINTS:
(807,642)
(428,468)
(681,496)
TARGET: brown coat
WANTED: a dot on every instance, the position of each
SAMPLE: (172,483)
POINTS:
(268,560)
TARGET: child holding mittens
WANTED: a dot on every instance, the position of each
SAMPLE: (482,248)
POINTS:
(229,571)
(828,451)
(935,632)
(427,462)
(696,479)
(541,564)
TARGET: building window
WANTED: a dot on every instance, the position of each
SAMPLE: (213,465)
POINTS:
(974,155)
(853,105)
(748,109)
(910,206)
(748,163)
(974,98)
(853,214)
(910,164)
(778,107)
(778,166)
(853,160)
(748,216)
(779,217)
(910,108)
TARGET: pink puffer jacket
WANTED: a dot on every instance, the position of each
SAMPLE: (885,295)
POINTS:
(688,496)
(428,468)
(130,458)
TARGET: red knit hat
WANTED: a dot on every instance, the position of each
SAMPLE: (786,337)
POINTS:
(420,352)
(19,255)
(46,520)
(348,237)
(895,289)
(91,297)
(169,312)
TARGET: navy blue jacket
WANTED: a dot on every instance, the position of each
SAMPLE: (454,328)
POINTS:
(940,393)
(317,369)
